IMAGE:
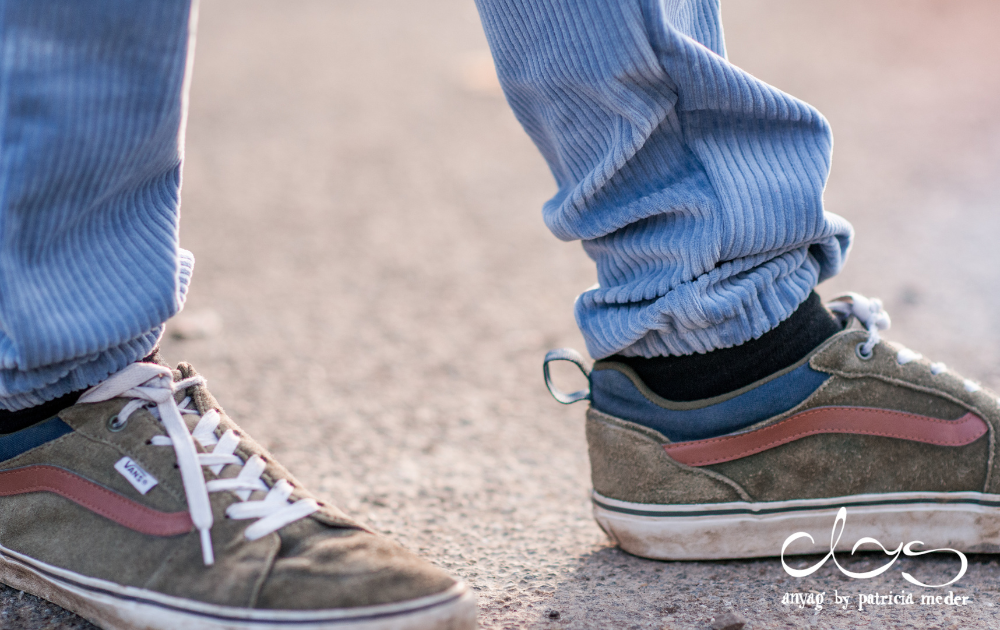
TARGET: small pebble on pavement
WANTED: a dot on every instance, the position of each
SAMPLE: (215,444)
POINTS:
(728,621)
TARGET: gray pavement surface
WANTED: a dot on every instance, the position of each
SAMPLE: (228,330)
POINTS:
(375,288)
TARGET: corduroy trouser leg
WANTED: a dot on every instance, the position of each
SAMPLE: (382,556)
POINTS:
(696,188)
(91,108)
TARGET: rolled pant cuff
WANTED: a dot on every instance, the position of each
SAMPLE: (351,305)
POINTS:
(21,389)
(702,315)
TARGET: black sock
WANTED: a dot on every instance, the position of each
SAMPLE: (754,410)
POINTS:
(11,421)
(698,376)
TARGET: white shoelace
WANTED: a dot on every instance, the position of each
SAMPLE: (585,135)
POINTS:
(869,313)
(873,318)
(153,386)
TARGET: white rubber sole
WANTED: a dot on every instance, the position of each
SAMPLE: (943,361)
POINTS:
(965,521)
(115,607)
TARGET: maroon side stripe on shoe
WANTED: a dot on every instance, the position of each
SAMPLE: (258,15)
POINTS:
(95,498)
(857,420)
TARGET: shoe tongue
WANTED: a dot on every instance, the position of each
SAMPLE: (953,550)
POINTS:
(202,399)
(155,358)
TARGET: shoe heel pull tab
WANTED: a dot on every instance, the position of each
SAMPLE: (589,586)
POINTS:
(566,354)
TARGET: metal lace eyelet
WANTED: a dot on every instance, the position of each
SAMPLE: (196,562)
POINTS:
(115,425)
(860,352)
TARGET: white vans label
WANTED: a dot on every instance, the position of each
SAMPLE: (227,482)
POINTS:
(142,480)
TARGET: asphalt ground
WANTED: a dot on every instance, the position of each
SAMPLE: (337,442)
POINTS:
(375,288)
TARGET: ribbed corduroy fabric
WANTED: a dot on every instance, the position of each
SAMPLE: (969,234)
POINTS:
(696,188)
(91,108)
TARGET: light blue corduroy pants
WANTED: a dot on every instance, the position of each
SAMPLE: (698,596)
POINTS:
(696,188)
(90,112)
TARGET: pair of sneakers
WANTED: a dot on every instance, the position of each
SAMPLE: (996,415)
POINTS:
(144,506)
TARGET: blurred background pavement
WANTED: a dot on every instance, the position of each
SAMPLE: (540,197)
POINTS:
(375,288)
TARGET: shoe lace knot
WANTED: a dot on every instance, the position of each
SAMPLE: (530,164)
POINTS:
(152,387)
(869,313)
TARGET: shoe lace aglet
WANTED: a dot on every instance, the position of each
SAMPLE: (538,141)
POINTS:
(206,546)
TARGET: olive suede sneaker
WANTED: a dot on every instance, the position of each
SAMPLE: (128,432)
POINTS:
(905,445)
(145,506)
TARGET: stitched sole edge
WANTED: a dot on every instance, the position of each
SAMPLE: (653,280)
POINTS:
(966,521)
(115,607)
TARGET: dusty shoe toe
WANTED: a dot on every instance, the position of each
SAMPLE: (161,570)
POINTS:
(322,567)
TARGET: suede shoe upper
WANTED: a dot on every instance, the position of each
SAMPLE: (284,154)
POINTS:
(85,516)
